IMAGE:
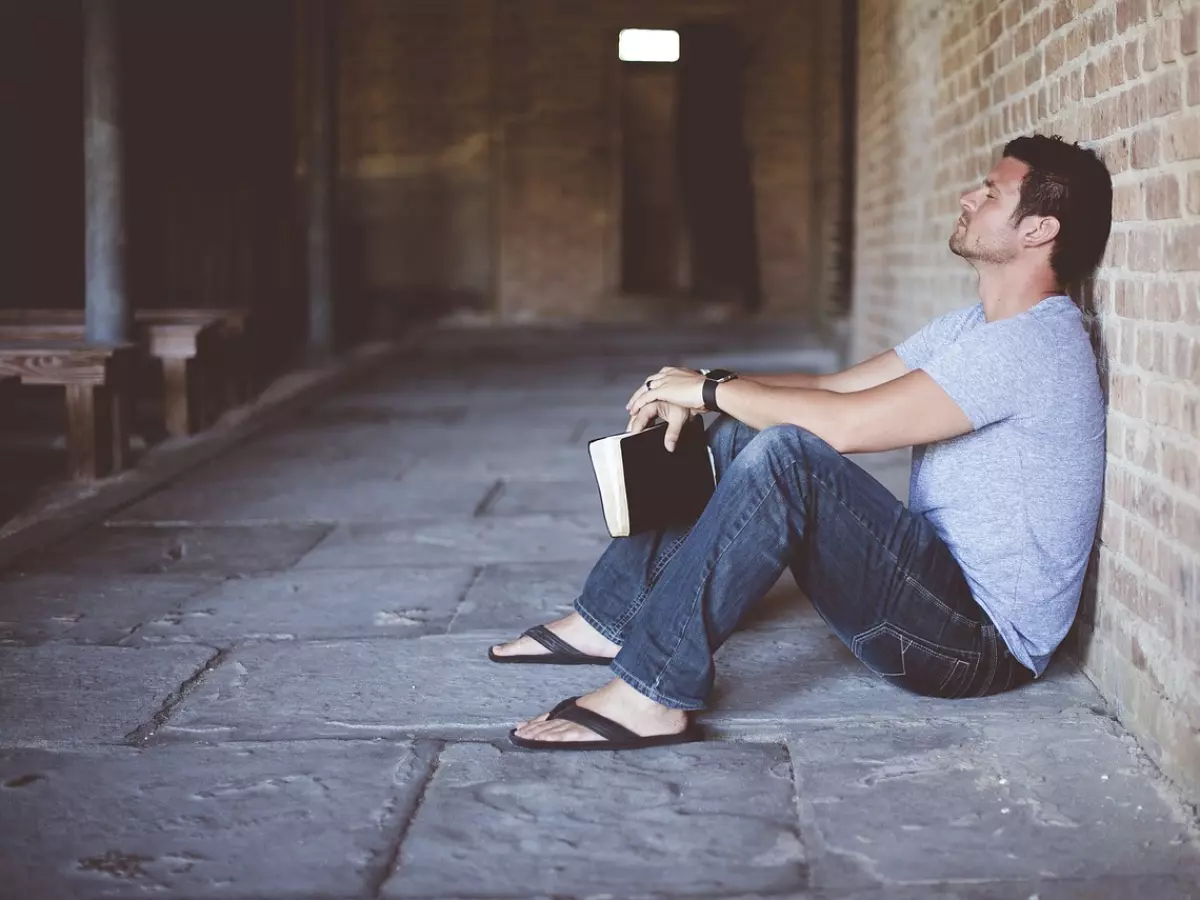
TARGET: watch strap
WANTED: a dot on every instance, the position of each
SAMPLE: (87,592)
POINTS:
(709,393)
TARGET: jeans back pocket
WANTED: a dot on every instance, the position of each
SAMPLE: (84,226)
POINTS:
(914,664)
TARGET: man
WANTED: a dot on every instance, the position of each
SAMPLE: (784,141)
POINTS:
(967,592)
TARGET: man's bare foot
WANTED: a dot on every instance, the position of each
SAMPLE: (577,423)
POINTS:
(616,701)
(574,629)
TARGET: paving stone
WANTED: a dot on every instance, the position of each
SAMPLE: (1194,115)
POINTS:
(477,541)
(100,610)
(60,692)
(603,824)
(514,597)
(565,462)
(440,686)
(445,686)
(317,604)
(280,500)
(1151,887)
(133,550)
(766,681)
(975,800)
(251,820)
(572,498)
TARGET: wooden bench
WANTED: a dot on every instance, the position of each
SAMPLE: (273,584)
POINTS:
(195,346)
(96,380)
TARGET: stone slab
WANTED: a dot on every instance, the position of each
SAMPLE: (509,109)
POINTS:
(604,824)
(519,497)
(466,542)
(514,597)
(251,820)
(444,686)
(911,802)
(767,681)
(565,462)
(292,500)
(60,692)
(316,604)
(1149,887)
(133,550)
(102,610)
(439,686)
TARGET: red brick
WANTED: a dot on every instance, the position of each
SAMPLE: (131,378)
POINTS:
(1145,148)
(1189,33)
(1193,193)
(1165,93)
(1182,139)
(1183,248)
(1145,251)
(1149,57)
(1127,206)
(1193,83)
(1150,46)
(1168,40)
(1162,197)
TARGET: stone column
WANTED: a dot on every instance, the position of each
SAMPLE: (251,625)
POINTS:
(108,313)
(322,173)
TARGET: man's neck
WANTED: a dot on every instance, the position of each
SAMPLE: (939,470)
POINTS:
(1005,294)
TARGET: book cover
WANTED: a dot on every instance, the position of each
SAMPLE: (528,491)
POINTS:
(645,487)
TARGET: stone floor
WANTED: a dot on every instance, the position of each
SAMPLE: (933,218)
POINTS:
(268,680)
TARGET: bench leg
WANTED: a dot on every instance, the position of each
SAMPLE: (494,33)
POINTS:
(179,381)
(97,431)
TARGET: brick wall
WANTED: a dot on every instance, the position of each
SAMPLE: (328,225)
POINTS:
(943,86)
(480,147)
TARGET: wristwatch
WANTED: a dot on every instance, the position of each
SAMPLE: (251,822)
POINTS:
(713,377)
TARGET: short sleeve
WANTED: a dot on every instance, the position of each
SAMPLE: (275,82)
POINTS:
(987,371)
(935,336)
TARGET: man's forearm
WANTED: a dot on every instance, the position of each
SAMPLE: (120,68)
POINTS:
(760,406)
(788,380)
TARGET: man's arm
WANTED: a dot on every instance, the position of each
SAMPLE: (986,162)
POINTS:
(912,409)
(877,370)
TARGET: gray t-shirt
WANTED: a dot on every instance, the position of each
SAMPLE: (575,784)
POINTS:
(1016,500)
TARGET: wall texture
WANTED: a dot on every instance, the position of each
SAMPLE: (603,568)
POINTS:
(943,85)
(480,148)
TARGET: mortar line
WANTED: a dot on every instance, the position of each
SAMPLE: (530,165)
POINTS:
(143,733)
(494,492)
(476,574)
(380,877)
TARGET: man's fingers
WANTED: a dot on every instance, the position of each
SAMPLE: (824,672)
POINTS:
(642,418)
(676,416)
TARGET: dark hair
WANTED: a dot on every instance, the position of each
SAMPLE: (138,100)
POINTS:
(1072,184)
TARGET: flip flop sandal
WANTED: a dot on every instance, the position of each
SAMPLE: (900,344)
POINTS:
(617,737)
(561,653)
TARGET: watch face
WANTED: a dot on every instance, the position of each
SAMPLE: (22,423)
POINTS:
(719,374)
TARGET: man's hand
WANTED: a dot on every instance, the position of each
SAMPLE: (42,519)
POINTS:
(678,387)
(675,417)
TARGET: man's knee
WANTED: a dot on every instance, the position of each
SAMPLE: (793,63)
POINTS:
(788,442)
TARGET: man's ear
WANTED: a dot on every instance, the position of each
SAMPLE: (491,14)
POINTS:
(1037,231)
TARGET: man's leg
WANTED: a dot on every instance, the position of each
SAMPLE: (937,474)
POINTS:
(870,566)
(627,570)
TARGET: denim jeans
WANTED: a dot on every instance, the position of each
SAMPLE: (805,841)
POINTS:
(878,574)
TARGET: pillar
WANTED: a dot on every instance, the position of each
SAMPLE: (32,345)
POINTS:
(107,303)
(322,174)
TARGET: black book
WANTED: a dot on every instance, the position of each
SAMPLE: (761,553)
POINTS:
(643,487)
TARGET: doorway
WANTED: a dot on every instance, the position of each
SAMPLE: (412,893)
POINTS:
(654,246)
(687,216)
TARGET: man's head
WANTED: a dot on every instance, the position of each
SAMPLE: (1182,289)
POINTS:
(1045,201)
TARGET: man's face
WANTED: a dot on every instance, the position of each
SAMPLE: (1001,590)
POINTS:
(985,230)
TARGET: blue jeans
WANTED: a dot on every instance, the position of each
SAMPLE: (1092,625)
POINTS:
(877,573)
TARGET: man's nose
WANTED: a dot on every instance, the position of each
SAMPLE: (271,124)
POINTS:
(965,200)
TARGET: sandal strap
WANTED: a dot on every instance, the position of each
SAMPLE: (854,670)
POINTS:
(602,725)
(551,641)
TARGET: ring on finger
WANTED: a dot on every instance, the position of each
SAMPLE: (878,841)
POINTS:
(649,386)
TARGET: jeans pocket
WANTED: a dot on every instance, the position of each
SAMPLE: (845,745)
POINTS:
(914,664)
